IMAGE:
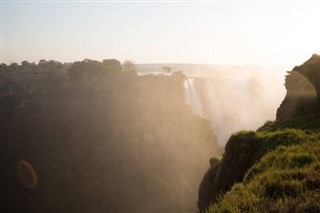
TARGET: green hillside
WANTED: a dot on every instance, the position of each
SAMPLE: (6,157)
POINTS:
(276,168)
(285,179)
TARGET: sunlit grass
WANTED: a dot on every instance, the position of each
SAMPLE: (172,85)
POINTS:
(285,177)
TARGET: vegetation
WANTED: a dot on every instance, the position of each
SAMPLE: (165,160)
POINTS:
(276,168)
(285,179)
(244,149)
(100,139)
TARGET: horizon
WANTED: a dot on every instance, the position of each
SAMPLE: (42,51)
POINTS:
(232,33)
(209,66)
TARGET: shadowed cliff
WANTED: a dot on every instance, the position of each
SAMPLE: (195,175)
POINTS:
(102,140)
(302,84)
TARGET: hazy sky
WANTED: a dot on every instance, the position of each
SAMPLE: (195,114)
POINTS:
(283,33)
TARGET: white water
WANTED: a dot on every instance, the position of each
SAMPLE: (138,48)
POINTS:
(234,103)
(232,98)
(192,97)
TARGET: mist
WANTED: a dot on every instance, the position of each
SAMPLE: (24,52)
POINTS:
(101,137)
(232,98)
(95,137)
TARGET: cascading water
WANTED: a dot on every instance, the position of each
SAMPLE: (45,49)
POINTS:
(232,98)
(225,107)
(233,103)
(192,97)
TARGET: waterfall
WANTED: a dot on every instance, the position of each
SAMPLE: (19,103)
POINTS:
(223,108)
(192,96)
(233,103)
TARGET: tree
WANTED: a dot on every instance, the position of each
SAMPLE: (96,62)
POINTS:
(112,65)
(167,69)
(27,66)
(128,66)
(14,67)
(89,69)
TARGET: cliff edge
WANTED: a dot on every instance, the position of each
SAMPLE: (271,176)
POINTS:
(303,90)
(276,168)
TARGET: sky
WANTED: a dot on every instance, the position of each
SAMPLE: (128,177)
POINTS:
(269,33)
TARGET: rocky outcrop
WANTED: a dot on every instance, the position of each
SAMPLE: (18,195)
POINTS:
(303,89)
(237,159)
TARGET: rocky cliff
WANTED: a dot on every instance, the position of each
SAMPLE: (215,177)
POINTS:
(303,90)
(103,141)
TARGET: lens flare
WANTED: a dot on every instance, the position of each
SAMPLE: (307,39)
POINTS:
(27,174)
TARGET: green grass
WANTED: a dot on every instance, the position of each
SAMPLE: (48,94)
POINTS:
(307,123)
(286,175)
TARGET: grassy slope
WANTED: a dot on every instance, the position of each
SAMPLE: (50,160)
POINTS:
(286,175)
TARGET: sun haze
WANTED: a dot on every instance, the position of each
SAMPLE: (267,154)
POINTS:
(233,32)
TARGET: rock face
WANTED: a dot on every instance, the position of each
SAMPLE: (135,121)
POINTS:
(303,88)
(237,159)
(103,142)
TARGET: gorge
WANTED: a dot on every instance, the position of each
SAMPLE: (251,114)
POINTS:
(101,139)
